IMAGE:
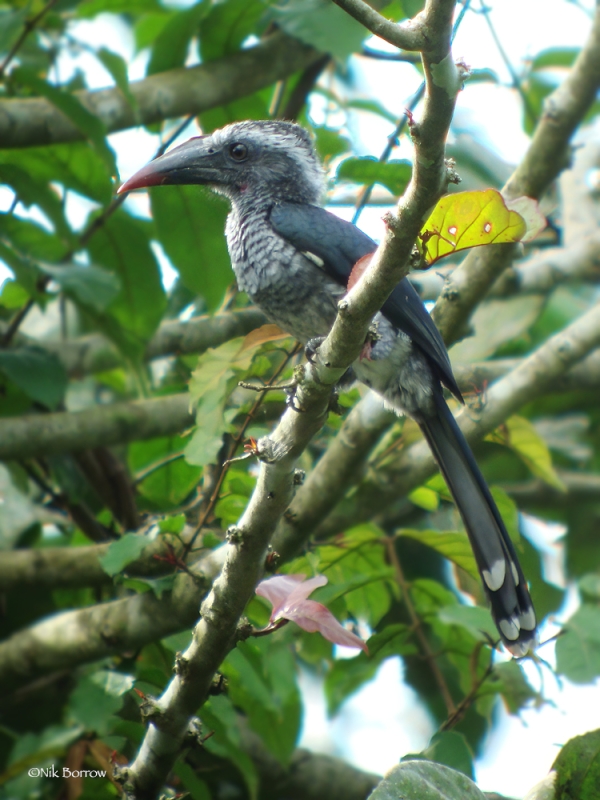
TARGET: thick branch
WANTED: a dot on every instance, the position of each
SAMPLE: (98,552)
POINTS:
(546,157)
(215,634)
(75,567)
(96,353)
(175,93)
(65,640)
(579,487)
(100,426)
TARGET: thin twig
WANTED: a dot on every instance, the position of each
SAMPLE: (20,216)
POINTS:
(29,25)
(418,627)
(461,709)
(516,82)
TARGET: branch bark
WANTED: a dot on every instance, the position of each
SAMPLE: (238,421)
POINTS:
(96,353)
(175,93)
(71,638)
(101,426)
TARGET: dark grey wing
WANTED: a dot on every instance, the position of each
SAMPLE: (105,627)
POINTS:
(339,245)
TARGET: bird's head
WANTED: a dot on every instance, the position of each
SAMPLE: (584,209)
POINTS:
(257,161)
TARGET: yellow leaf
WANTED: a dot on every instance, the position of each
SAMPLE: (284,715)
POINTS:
(470,219)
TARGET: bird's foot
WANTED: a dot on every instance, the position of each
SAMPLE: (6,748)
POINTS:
(291,400)
(310,350)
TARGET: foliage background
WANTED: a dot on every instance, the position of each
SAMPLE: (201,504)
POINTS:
(89,327)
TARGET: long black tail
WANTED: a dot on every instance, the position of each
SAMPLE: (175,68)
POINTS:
(495,555)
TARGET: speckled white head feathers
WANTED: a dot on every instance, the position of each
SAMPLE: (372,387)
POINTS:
(279,155)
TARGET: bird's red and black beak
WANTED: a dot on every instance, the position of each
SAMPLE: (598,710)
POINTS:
(195,161)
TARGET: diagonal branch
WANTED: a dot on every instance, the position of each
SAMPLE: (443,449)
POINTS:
(216,632)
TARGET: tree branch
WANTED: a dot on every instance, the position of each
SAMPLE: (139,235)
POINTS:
(175,93)
(65,431)
(96,353)
(76,567)
(546,157)
(216,632)
(65,640)
(542,272)
(409,35)
(579,487)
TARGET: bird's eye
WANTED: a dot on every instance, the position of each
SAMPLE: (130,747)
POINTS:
(238,151)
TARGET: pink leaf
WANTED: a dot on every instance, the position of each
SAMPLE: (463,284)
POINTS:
(288,594)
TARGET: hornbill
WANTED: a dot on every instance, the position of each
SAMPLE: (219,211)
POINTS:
(294,259)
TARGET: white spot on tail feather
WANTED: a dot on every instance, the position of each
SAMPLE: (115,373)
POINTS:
(494,577)
(509,628)
(527,619)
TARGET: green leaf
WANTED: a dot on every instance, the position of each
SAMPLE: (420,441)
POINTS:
(358,560)
(394,174)
(453,545)
(37,372)
(495,323)
(89,124)
(75,165)
(92,286)
(321,24)
(167,486)
(11,25)
(462,220)
(578,649)
(212,381)
(520,435)
(262,682)
(13,295)
(196,787)
(32,190)
(172,42)
(508,511)
(578,768)
(122,246)
(190,226)
(172,524)
(227,25)
(451,748)
(423,780)
(122,552)
(91,706)
(589,586)
(219,716)
(425,498)
(510,679)
(555,57)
